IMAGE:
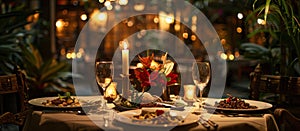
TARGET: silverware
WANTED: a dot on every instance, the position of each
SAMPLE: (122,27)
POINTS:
(78,112)
(203,123)
(210,122)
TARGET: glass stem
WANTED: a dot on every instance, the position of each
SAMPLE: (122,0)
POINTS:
(200,100)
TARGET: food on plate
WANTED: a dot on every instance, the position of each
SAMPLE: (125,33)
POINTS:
(63,101)
(234,103)
(145,100)
(157,117)
(129,104)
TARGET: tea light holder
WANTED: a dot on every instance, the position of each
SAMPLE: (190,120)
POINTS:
(189,92)
(111,92)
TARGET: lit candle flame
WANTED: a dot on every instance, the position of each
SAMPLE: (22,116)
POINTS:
(124,44)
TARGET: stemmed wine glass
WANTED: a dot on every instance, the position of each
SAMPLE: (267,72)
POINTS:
(201,76)
(104,74)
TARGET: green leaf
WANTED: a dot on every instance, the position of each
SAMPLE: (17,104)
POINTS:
(267,6)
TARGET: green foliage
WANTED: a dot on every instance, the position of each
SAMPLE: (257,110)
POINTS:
(11,34)
(282,24)
(45,74)
(17,50)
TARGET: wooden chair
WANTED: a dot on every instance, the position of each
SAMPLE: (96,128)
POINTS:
(286,121)
(268,84)
(13,90)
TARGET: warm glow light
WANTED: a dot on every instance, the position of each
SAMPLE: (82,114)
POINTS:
(155,20)
(59,23)
(69,56)
(73,55)
(107,3)
(101,1)
(240,16)
(223,41)
(239,30)
(63,51)
(102,16)
(189,92)
(193,37)
(177,27)
(124,44)
(194,28)
(81,50)
(231,57)
(163,24)
(224,56)
(139,65)
(109,7)
(83,17)
(123,2)
(139,7)
(185,35)
(261,21)
(129,23)
(237,54)
(98,19)
(194,20)
(111,91)
(169,18)
(79,55)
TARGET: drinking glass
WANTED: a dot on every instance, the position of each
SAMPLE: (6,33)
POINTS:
(201,76)
(104,74)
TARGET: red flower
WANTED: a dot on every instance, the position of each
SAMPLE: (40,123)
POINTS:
(172,78)
(143,76)
(146,77)
(146,61)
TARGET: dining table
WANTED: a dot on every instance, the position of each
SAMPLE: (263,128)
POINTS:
(49,119)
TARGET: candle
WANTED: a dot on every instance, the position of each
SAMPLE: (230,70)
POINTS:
(125,58)
(189,92)
(111,92)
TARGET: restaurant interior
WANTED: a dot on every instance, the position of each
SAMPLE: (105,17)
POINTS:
(87,64)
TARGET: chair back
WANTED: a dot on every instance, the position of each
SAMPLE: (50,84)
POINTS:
(13,99)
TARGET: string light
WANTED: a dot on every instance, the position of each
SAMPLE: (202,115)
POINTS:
(240,16)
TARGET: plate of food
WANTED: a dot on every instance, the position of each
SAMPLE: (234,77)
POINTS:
(146,100)
(66,101)
(236,104)
(156,117)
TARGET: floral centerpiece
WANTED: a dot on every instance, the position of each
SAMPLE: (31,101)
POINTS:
(152,74)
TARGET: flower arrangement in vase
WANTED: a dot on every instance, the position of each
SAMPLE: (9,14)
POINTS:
(154,75)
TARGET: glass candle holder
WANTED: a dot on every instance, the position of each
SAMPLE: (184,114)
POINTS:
(189,92)
(111,92)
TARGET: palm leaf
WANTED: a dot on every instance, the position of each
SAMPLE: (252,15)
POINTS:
(267,7)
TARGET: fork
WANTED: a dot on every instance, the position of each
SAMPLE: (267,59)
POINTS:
(208,121)
(203,123)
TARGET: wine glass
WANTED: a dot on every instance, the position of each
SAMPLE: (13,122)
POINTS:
(201,76)
(104,75)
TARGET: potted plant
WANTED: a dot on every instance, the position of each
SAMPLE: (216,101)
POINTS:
(281,23)
(44,76)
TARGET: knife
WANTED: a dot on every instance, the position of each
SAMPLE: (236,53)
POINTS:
(210,122)
(166,105)
(203,123)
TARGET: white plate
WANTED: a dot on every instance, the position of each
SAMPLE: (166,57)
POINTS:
(259,104)
(85,101)
(125,117)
